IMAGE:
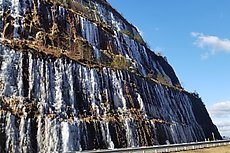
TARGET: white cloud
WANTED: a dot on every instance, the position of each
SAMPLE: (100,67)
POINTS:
(195,34)
(221,109)
(213,43)
(224,124)
(220,113)
(224,128)
(205,56)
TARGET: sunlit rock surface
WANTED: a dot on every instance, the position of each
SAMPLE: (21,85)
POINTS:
(75,75)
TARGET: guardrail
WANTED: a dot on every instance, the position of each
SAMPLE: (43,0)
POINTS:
(166,148)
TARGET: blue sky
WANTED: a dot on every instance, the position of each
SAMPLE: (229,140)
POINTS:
(195,37)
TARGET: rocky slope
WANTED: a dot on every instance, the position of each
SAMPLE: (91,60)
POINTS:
(75,75)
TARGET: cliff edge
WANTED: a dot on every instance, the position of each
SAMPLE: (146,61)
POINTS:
(75,75)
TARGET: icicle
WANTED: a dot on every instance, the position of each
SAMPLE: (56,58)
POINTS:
(11,133)
(23,132)
(31,76)
(70,137)
(65,136)
(19,78)
(119,99)
(140,102)
(108,137)
(129,135)
(97,53)
(15,8)
(58,84)
(39,4)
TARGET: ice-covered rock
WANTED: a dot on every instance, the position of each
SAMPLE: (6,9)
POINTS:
(77,76)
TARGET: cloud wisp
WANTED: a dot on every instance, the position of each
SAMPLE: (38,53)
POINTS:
(213,43)
(221,109)
(220,113)
(224,128)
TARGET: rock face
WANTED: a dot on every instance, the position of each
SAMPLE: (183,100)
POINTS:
(75,75)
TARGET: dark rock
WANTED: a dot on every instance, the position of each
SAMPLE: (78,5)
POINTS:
(75,75)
